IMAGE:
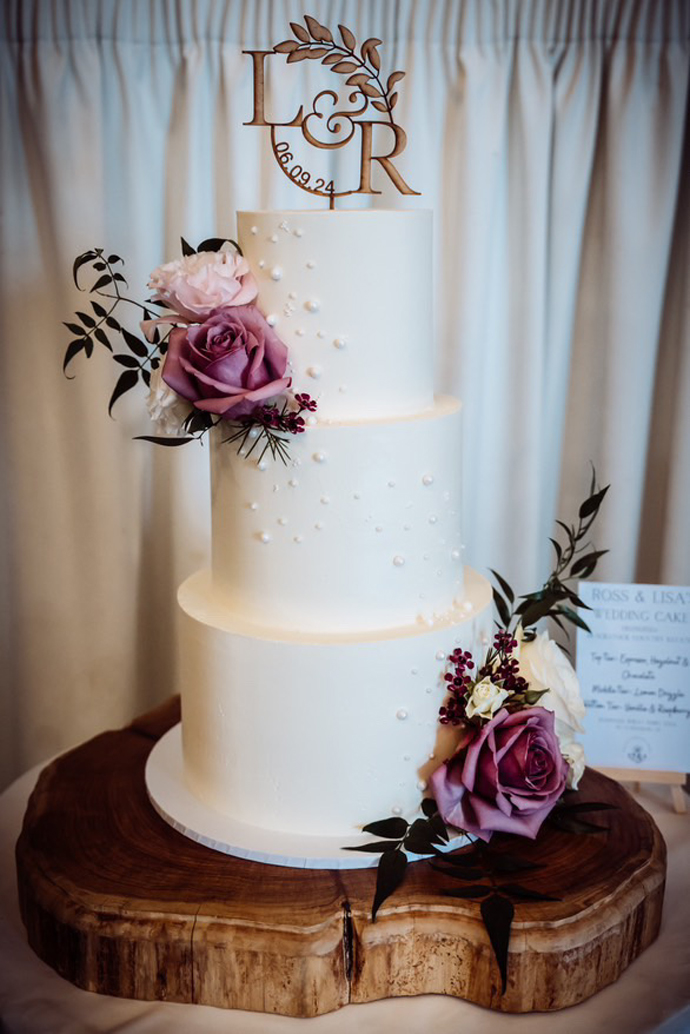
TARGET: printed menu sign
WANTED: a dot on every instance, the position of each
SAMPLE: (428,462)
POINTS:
(634,671)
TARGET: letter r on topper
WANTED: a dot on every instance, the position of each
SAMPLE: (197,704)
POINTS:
(361,65)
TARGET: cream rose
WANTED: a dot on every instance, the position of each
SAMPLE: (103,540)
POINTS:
(574,753)
(166,408)
(486,699)
(545,666)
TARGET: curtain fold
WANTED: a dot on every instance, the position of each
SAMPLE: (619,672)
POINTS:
(550,141)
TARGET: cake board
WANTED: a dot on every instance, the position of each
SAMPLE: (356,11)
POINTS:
(165,785)
(119,903)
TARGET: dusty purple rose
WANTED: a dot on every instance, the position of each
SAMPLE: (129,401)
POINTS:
(227,364)
(507,780)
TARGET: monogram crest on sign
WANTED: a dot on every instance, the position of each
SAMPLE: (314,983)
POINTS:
(364,119)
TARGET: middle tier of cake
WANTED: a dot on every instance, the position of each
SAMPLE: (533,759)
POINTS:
(360,530)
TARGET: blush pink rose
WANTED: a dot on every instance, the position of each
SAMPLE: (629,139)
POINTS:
(227,364)
(198,285)
(507,780)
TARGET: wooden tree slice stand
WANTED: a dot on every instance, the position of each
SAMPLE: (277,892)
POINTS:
(119,903)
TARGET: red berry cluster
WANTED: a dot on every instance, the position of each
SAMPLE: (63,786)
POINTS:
(305,401)
(288,421)
(502,666)
(453,711)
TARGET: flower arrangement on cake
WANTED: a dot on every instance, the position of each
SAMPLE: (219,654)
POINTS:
(218,361)
(517,761)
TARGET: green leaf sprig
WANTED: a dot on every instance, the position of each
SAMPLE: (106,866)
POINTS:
(140,359)
(424,836)
(576,559)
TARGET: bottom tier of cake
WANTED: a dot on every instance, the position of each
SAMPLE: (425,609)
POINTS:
(315,735)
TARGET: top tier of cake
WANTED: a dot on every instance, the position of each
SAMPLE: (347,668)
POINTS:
(358,325)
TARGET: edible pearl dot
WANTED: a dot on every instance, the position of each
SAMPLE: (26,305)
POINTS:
(293,482)
(254,230)
(262,464)
(425,556)
(298,539)
(261,263)
(320,333)
(339,342)
(254,432)
(455,554)
(406,527)
(272,320)
(311,421)
(300,332)
(311,264)
(378,528)
(401,714)
(318,525)
(414,671)
(391,484)
(319,457)
(421,784)
(428,690)
(440,655)
(312,305)
(282,521)
(431,756)
(398,561)
(299,232)
(292,294)
(276,273)
(396,810)
(243,452)
(274,238)
(467,605)
(406,757)
(276,488)
(342,389)
(253,506)
(265,537)
(427,479)
(485,640)
(314,371)
(433,518)
(356,495)
(325,500)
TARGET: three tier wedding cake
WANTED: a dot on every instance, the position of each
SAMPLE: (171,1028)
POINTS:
(311,654)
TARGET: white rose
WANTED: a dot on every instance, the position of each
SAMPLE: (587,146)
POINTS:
(165,407)
(486,699)
(545,666)
(574,753)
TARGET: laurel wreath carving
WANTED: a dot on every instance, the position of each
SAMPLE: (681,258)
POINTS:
(363,69)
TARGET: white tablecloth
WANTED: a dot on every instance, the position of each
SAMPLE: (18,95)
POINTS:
(653,995)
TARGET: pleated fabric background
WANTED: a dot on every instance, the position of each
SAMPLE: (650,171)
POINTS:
(549,138)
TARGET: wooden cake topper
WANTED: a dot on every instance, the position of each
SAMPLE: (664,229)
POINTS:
(363,70)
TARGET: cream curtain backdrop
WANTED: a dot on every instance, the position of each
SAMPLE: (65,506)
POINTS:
(550,140)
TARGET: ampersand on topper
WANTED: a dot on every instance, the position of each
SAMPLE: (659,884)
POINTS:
(363,70)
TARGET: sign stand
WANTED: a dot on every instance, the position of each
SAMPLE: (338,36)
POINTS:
(676,780)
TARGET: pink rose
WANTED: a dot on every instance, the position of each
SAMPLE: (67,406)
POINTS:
(198,285)
(227,364)
(507,780)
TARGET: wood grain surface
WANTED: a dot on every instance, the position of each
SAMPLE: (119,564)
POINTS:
(119,903)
